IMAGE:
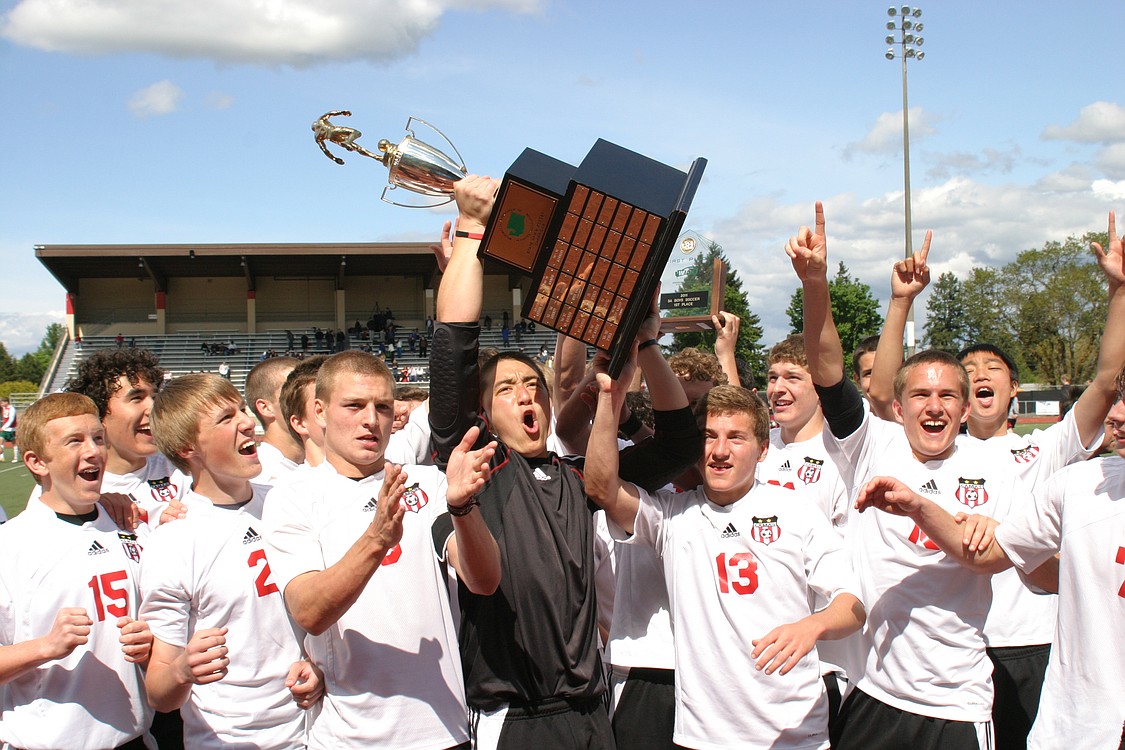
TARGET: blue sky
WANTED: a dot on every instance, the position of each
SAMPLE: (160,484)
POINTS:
(146,121)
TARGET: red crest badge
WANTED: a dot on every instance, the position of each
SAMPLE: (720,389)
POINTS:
(809,472)
(414,498)
(163,491)
(130,545)
(765,530)
(971,492)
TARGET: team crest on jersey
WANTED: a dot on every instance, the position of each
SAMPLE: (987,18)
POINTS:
(414,498)
(809,473)
(971,492)
(1026,454)
(765,530)
(130,545)
(163,491)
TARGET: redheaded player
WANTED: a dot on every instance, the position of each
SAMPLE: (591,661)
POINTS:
(70,651)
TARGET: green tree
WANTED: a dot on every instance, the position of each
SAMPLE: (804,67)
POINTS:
(945,315)
(854,308)
(699,276)
(7,365)
(1059,295)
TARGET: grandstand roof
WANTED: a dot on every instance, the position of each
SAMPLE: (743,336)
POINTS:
(69,263)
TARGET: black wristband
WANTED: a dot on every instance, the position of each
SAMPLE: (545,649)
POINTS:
(646,344)
(460,511)
(632,425)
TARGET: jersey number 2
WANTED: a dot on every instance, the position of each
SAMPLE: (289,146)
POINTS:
(745,578)
(263,583)
(105,587)
(1121,561)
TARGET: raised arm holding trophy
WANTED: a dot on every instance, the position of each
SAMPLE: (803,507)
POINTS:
(594,239)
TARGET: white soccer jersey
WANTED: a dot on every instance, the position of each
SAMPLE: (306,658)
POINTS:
(735,573)
(805,466)
(209,570)
(1020,616)
(640,624)
(1079,511)
(92,698)
(391,663)
(411,444)
(922,645)
(274,464)
(156,484)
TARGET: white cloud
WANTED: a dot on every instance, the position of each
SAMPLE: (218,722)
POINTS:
(1100,122)
(1111,160)
(885,136)
(990,160)
(974,224)
(161,98)
(219,100)
(270,32)
(22,332)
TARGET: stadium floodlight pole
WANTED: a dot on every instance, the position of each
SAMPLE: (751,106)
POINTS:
(908,42)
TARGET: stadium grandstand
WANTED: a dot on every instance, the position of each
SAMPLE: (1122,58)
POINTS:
(202,307)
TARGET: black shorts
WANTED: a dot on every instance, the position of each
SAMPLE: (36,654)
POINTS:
(870,724)
(645,715)
(1017,677)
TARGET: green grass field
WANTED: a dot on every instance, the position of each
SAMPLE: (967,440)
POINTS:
(15,486)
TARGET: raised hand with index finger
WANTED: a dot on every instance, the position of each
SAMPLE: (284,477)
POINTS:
(808,249)
(912,275)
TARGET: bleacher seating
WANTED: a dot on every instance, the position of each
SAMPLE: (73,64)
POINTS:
(182,353)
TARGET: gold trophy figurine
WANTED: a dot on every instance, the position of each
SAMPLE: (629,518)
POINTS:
(414,165)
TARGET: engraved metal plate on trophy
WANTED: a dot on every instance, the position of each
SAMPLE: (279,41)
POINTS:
(609,240)
(412,164)
(692,289)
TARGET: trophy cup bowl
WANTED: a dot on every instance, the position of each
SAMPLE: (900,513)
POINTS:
(413,164)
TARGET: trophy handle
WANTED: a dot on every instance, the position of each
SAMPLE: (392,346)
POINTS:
(389,188)
(460,158)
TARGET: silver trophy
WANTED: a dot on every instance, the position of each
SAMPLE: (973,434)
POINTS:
(414,165)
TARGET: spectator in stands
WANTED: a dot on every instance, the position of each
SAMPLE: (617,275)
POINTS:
(423,346)
(120,339)
(224,369)
(505,334)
